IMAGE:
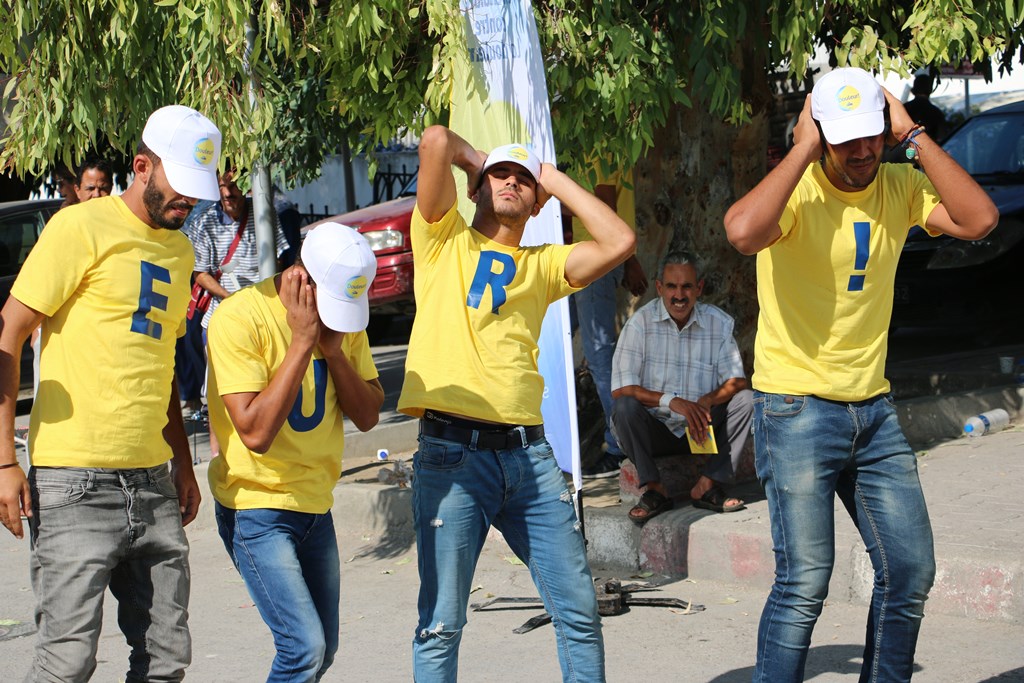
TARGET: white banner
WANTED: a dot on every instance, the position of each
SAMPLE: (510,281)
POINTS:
(500,96)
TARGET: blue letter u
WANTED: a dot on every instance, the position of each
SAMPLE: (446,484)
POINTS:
(301,423)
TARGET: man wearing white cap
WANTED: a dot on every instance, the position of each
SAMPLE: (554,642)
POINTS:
(827,225)
(109,281)
(289,360)
(472,378)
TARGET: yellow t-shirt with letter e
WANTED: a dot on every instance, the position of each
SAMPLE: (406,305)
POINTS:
(826,286)
(114,291)
(248,339)
(479,308)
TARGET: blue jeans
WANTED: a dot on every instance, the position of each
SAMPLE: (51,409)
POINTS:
(458,493)
(808,450)
(289,561)
(97,528)
(595,309)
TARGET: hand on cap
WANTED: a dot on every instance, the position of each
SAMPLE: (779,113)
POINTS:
(476,174)
(899,120)
(299,300)
(547,171)
(806,131)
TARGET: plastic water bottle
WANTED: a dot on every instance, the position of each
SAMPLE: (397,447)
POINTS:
(989,422)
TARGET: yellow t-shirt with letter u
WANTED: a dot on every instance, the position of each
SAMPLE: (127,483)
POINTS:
(248,339)
(114,291)
(825,287)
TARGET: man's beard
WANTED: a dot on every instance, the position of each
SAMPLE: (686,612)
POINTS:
(153,200)
(849,180)
(509,213)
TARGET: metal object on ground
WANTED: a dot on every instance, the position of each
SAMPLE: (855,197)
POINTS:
(612,598)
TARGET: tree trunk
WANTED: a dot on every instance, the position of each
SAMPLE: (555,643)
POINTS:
(698,167)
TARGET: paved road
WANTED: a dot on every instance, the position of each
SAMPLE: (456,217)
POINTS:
(379,586)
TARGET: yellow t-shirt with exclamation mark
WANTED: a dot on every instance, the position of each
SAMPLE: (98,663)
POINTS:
(825,288)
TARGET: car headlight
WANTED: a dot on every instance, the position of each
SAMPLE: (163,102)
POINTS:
(961,253)
(379,240)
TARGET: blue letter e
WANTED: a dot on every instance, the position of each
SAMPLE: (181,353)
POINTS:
(150,299)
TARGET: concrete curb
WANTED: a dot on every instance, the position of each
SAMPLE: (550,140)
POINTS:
(737,547)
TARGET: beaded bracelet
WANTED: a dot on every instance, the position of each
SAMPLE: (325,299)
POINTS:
(913,149)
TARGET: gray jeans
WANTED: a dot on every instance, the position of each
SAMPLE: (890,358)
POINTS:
(644,437)
(98,528)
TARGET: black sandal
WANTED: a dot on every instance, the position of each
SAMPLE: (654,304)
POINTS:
(714,500)
(651,504)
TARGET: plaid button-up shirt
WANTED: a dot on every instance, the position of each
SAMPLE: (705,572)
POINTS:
(655,354)
(212,233)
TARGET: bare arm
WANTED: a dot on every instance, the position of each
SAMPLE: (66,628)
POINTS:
(181,460)
(440,149)
(633,277)
(212,285)
(360,399)
(752,223)
(966,210)
(259,416)
(16,323)
(613,241)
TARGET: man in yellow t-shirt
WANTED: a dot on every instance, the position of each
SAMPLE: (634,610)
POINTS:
(289,360)
(827,225)
(471,375)
(596,314)
(109,281)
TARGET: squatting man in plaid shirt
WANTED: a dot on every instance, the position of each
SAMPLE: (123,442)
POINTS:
(677,366)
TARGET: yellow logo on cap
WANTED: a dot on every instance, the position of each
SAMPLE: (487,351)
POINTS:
(355,287)
(848,98)
(519,153)
(204,151)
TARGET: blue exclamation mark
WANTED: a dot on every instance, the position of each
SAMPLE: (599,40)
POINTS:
(861,233)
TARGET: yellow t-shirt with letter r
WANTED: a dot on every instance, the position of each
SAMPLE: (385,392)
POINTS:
(114,291)
(825,287)
(248,339)
(479,308)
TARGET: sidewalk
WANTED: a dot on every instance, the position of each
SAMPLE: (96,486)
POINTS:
(973,488)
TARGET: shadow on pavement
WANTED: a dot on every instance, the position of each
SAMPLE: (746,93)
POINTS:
(824,659)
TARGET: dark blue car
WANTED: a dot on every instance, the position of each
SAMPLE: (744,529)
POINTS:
(976,286)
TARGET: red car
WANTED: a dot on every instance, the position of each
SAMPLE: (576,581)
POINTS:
(386,228)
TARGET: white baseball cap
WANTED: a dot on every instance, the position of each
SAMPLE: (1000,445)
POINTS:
(517,154)
(342,265)
(188,144)
(849,104)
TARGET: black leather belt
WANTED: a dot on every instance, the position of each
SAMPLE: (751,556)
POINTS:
(481,435)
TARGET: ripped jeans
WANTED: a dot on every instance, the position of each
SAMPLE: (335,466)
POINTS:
(458,493)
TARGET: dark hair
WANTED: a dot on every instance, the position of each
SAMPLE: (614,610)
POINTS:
(101,165)
(678,257)
(146,151)
(923,85)
(63,174)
